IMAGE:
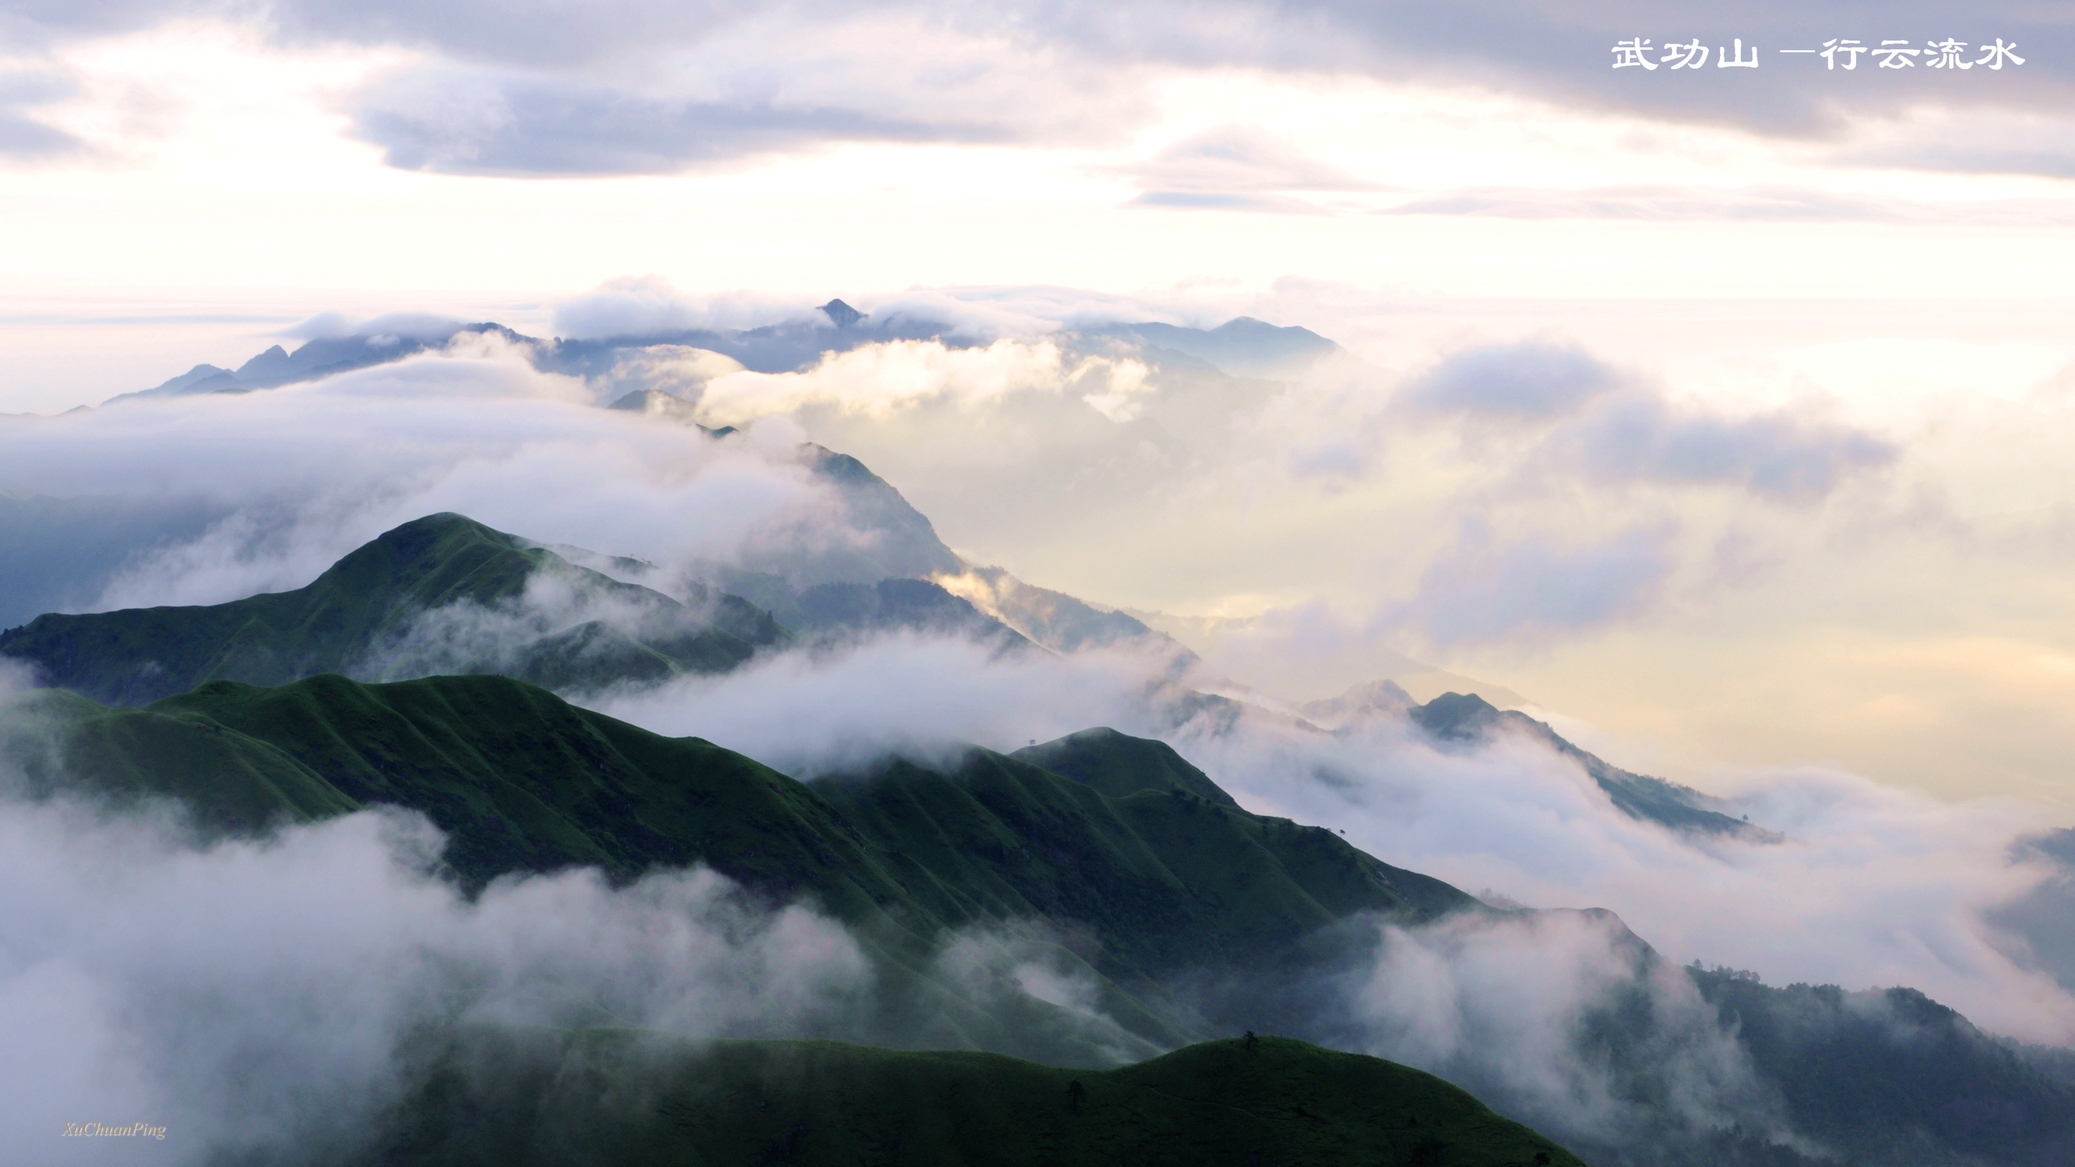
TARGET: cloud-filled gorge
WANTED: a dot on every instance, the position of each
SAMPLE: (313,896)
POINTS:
(272,992)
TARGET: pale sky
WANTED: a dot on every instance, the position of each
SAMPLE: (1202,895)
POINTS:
(1886,251)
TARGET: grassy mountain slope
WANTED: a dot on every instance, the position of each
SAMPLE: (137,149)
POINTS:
(1130,891)
(523,781)
(1118,764)
(1273,1102)
(1165,880)
(375,604)
(233,783)
(1144,881)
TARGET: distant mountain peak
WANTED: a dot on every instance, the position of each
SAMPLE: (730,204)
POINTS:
(1456,716)
(843,314)
(439,594)
(1468,718)
(1241,346)
(1366,699)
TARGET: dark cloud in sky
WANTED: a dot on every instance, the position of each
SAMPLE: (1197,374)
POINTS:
(570,106)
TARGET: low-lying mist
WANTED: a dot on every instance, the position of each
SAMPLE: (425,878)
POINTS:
(279,999)
(305,473)
(1872,886)
(837,708)
(262,997)
(1555,1017)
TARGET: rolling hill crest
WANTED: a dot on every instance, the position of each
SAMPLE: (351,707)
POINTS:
(441,594)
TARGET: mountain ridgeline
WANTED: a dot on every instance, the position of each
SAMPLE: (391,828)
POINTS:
(1111,853)
(1470,719)
(1242,346)
(1237,1102)
(1135,882)
(422,672)
(441,594)
(1164,869)
(447,595)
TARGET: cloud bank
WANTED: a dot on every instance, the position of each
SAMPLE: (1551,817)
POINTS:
(309,472)
(1874,886)
(878,380)
(264,998)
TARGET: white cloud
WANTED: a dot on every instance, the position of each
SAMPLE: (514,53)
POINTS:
(649,305)
(819,712)
(1875,886)
(312,471)
(1504,1007)
(262,998)
(879,380)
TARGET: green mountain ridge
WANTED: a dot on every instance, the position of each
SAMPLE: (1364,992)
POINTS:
(1146,864)
(1270,1101)
(1133,865)
(521,780)
(417,591)
(1139,865)
(404,605)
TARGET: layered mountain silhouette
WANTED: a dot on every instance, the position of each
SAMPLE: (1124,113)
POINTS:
(900,542)
(1134,864)
(321,357)
(1146,851)
(1470,719)
(1190,916)
(1242,346)
(441,594)
(445,594)
(62,553)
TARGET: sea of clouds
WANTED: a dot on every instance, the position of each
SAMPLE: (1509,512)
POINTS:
(154,978)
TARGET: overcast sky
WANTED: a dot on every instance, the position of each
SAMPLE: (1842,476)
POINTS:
(1872,261)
